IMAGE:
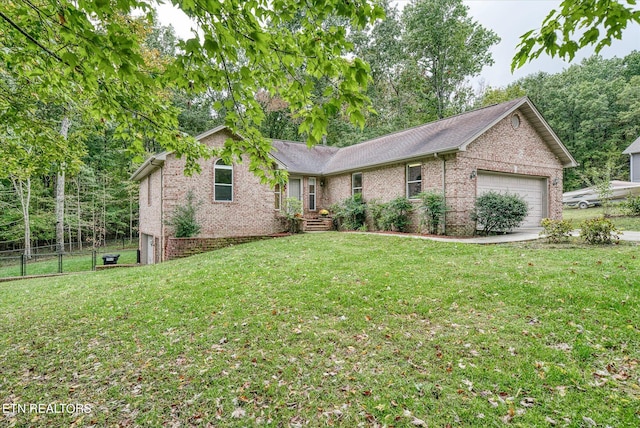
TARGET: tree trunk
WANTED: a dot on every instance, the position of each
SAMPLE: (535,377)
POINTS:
(130,215)
(79,216)
(23,189)
(104,209)
(60,180)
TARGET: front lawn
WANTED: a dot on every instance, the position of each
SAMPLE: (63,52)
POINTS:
(618,217)
(333,329)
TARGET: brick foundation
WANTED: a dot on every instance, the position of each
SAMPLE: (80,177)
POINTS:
(184,247)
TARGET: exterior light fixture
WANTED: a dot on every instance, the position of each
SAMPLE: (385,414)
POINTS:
(473,174)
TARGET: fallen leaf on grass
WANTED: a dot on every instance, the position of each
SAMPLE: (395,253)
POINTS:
(414,421)
(561,347)
(238,413)
(527,402)
(590,422)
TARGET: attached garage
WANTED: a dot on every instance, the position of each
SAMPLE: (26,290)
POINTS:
(532,189)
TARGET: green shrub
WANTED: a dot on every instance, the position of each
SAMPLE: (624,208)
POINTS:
(395,215)
(432,208)
(350,214)
(183,218)
(598,231)
(556,230)
(375,209)
(496,212)
(293,214)
(632,205)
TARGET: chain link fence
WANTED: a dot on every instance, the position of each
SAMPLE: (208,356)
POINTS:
(45,261)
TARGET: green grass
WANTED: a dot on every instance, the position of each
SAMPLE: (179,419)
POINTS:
(334,329)
(618,216)
(72,262)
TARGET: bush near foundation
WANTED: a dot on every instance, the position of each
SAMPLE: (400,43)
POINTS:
(350,214)
(499,212)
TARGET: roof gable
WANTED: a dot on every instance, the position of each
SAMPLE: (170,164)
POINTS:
(633,148)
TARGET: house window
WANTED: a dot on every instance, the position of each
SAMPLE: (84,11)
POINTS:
(414,180)
(312,193)
(356,183)
(223,182)
(277,193)
(149,190)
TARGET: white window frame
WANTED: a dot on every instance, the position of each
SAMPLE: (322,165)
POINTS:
(412,165)
(353,188)
(277,193)
(312,181)
(217,166)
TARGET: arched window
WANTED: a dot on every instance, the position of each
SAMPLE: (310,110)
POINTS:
(223,182)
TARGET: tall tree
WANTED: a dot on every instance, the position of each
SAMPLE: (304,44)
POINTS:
(60,187)
(240,47)
(596,22)
(447,47)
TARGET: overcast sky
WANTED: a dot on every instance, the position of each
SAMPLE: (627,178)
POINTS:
(508,18)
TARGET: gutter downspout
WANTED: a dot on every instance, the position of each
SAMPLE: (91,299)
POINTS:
(444,188)
(444,193)
(161,214)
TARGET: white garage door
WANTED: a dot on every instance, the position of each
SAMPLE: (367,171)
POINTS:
(533,190)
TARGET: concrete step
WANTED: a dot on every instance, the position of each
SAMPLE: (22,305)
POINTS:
(317,224)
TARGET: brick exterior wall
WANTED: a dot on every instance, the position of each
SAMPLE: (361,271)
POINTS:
(150,202)
(500,149)
(252,213)
(185,247)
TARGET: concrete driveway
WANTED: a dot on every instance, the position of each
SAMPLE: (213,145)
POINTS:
(518,236)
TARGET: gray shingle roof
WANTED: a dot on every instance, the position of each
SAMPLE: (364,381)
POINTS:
(445,135)
(300,158)
(633,148)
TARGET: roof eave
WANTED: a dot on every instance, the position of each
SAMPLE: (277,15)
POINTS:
(150,165)
(395,161)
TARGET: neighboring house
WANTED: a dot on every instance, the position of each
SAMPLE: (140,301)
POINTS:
(507,147)
(634,160)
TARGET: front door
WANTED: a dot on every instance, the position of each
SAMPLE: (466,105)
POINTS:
(295,188)
(150,251)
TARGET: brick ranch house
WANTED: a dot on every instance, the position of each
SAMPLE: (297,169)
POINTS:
(504,147)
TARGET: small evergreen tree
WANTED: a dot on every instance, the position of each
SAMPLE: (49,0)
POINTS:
(433,207)
(183,219)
